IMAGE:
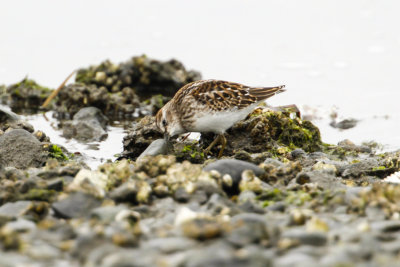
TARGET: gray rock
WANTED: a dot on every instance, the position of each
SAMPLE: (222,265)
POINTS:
(344,124)
(234,168)
(91,113)
(248,228)
(125,193)
(12,210)
(76,205)
(325,180)
(20,225)
(168,244)
(305,238)
(107,214)
(7,116)
(158,146)
(88,124)
(298,153)
(386,226)
(20,149)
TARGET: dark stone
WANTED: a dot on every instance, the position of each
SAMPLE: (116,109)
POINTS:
(298,153)
(234,168)
(124,193)
(76,205)
(20,149)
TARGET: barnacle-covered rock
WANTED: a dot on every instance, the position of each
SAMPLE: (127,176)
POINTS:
(145,75)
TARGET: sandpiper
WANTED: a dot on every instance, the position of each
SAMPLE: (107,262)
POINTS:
(210,106)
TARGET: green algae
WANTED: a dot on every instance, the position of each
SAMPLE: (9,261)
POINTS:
(56,152)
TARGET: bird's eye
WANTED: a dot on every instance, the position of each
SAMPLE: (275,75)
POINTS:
(164,122)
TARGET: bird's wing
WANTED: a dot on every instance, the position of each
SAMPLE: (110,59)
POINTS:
(223,95)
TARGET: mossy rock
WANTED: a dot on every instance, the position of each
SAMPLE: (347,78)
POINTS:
(27,95)
(269,131)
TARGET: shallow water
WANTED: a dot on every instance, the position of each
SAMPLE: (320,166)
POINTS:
(342,55)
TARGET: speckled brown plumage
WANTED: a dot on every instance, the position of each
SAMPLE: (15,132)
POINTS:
(210,106)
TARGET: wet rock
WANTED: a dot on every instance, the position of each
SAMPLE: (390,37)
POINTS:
(89,124)
(359,169)
(344,124)
(142,135)
(158,146)
(18,148)
(26,95)
(7,116)
(75,205)
(234,168)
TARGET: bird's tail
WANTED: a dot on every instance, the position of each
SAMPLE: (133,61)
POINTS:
(266,92)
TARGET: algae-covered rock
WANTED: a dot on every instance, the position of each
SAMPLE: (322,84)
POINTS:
(272,131)
(26,95)
(145,75)
(142,135)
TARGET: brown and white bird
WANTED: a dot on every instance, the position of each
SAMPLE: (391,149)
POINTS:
(210,106)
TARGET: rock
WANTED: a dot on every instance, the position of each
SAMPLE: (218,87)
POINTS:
(269,131)
(168,244)
(20,225)
(89,124)
(126,192)
(298,153)
(20,149)
(158,146)
(27,95)
(91,182)
(248,228)
(386,226)
(7,116)
(28,209)
(234,168)
(305,238)
(75,205)
(148,76)
(202,228)
(142,135)
(107,214)
(344,124)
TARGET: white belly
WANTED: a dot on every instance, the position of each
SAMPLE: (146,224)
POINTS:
(221,121)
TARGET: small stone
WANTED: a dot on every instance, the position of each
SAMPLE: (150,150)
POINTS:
(302,178)
(158,146)
(234,168)
(181,195)
(91,182)
(202,228)
(316,225)
(305,238)
(76,205)
(125,193)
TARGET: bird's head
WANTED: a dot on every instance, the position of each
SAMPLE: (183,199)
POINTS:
(168,122)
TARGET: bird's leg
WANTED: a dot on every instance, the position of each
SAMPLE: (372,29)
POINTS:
(207,150)
(223,145)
